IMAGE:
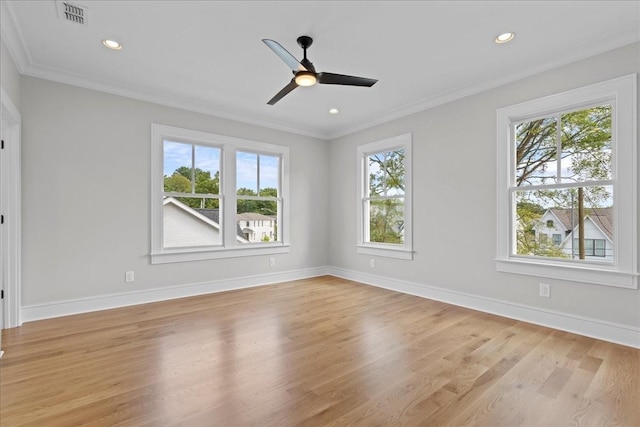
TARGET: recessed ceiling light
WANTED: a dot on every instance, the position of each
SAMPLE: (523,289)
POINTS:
(112,44)
(334,111)
(504,38)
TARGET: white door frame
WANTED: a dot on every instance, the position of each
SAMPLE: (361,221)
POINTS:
(11,123)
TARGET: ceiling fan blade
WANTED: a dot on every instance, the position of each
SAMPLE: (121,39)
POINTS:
(285,90)
(341,79)
(284,54)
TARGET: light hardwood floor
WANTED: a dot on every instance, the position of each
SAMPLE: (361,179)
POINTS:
(322,351)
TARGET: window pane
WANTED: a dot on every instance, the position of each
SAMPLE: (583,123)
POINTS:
(246,174)
(185,224)
(177,167)
(395,173)
(536,209)
(269,175)
(386,221)
(257,221)
(207,172)
(536,151)
(377,182)
(179,174)
(386,173)
(586,145)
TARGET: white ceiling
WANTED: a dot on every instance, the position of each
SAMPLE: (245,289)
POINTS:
(208,56)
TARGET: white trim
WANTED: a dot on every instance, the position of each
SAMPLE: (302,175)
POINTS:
(12,37)
(247,249)
(594,328)
(624,271)
(583,273)
(11,181)
(385,252)
(104,302)
(229,146)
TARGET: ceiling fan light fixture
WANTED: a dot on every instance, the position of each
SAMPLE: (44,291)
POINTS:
(504,37)
(305,78)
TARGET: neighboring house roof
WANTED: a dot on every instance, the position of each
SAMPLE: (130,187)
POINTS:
(601,217)
(209,216)
(214,215)
(252,216)
(176,202)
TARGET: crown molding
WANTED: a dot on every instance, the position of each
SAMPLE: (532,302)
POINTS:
(13,39)
(622,38)
(60,76)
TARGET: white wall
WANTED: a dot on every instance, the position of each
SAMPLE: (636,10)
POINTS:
(86,196)
(454,147)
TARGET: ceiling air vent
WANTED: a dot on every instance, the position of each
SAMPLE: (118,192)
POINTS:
(73,12)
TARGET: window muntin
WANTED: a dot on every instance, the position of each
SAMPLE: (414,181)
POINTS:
(619,175)
(384,202)
(196,201)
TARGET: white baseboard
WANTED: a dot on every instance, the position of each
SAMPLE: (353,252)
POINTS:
(607,331)
(594,328)
(85,305)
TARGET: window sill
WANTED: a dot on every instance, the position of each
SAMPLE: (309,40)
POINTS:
(206,254)
(389,252)
(598,275)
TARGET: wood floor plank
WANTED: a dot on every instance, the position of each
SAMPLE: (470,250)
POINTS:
(320,352)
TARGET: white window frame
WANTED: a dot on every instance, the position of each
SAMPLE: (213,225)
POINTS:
(623,272)
(400,251)
(228,145)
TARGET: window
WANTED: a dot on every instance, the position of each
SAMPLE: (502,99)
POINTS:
(191,195)
(592,247)
(571,156)
(205,187)
(384,198)
(257,183)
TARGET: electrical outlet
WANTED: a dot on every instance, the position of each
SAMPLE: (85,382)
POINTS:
(545,290)
(129,276)
(272,261)
(372,263)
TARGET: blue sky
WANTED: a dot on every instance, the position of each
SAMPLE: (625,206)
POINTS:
(178,154)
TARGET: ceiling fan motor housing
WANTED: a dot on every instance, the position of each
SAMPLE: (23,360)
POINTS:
(305,41)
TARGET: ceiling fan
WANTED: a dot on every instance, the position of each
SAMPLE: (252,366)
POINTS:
(305,73)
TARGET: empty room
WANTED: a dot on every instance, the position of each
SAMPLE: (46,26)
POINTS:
(323,213)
